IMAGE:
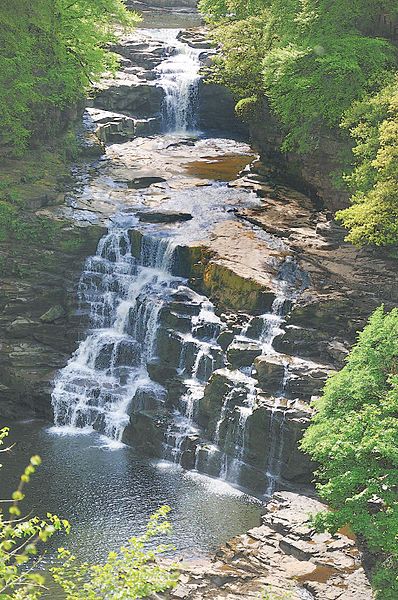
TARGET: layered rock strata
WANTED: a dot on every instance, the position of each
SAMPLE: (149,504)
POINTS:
(283,558)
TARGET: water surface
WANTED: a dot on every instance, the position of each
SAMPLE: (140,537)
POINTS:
(108,495)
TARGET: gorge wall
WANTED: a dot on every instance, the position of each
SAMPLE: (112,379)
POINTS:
(315,173)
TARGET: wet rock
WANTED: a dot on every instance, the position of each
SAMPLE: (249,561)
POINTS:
(110,127)
(274,422)
(148,398)
(174,320)
(146,431)
(218,387)
(142,100)
(225,338)
(139,183)
(165,216)
(308,343)
(123,353)
(269,372)
(306,380)
(170,346)
(282,557)
(150,126)
(160,372)
(242,353)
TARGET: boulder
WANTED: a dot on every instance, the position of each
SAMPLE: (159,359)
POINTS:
(242,353)
(269,372)
(53,314)
(140,100)
(139,183)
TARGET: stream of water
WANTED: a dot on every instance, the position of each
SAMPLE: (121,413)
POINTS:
(90,476)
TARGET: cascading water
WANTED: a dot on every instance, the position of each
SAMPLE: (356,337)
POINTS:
(194,371)
(128,299)
(179,77)
(124,296)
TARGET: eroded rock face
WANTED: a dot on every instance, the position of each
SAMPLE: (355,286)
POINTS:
(284,556)
(39,327)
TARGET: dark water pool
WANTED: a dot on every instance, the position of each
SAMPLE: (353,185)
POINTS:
(108,495)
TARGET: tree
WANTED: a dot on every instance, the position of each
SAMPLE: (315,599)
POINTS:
(18,540)
(309,58)
(131,573)
(373,123)
(354,438)
(50,53)
(320,67)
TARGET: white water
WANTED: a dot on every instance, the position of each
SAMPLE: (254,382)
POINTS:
(123,296)
(179,77)
(194,378)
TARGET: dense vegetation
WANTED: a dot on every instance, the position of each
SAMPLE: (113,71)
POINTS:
(50,53)
(129,574)
(321,66)
(354,438)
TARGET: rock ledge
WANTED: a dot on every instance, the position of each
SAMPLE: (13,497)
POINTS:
(284,557)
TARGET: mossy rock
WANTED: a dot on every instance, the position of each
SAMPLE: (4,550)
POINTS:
(232,291)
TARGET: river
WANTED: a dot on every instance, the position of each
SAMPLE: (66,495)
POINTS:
(108,495)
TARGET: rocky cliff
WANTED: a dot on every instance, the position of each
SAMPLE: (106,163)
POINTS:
(315,173)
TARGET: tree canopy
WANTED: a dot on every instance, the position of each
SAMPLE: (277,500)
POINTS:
(322,65)
(51,51)
(354,438)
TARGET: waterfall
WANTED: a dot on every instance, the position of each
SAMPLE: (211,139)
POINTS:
(194,371)
(276,436)
(179,77)
(123,296)
(130,298)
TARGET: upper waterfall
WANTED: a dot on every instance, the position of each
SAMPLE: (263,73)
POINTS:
(179,77)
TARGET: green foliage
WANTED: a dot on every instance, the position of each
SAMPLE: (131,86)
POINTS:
(131,573)
(240,63)
(373,123)
(19,537)
(16,225)
(354,438)
(246,108)
(320,63)
(51,52)
(128,575)
(308,57)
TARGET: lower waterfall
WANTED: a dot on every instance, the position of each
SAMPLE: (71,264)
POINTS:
(137,305)
(123,296)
